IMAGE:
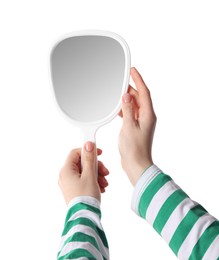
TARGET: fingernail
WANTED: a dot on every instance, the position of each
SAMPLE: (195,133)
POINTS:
(89,146)
(127,98)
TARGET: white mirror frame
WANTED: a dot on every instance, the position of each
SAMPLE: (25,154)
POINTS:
(89,129)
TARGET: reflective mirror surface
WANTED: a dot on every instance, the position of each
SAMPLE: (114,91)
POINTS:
(89,76)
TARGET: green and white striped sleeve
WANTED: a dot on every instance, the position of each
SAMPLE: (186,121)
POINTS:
(190,231)
(83,236)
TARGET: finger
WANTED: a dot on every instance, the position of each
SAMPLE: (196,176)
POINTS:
(143,91)
(145,102)
(120,112)
(89,159)
(102,190)
(99,151)
(102,170)
(134,93)
(128,109)
(72,163)
(138,80)
(74,156)
(103,183)
(73,160)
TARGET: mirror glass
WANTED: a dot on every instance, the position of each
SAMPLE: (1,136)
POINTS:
(90,74)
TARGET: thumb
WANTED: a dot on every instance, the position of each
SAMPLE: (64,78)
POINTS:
(89,158)
(128,109)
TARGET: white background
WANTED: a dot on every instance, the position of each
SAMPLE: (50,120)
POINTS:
(174,44)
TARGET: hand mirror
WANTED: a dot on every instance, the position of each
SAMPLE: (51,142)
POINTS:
(90,73)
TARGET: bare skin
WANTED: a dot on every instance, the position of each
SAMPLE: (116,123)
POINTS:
(136,136)
(74,182)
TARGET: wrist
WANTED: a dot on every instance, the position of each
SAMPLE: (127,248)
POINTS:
(137,169)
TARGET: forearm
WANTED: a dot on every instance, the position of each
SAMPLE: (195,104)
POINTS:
(83,235)
(185,225)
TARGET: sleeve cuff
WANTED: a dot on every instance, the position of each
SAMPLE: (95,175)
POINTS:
(84,199)
(147,176)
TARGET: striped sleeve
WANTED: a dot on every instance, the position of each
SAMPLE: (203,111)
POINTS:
(190,231)
(83,236)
